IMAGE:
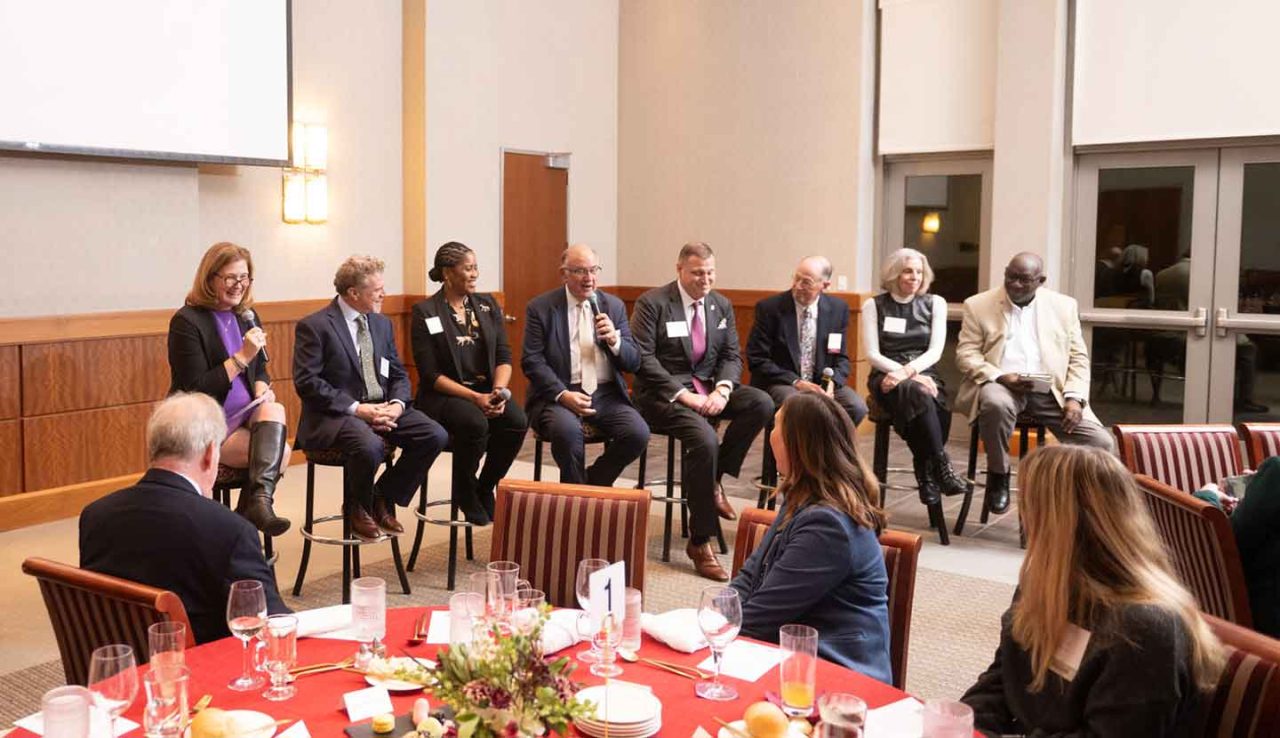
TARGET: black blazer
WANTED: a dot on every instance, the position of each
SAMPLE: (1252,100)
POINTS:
(666,361)
(326,372)
(545,356)
(163,533)
(196,355)
(773,348)
(437,353)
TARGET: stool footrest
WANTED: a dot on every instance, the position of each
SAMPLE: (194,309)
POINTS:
(330,541)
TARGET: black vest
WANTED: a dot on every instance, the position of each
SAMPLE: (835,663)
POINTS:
(918,316)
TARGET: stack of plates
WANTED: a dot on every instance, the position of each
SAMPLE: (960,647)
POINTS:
(621,711)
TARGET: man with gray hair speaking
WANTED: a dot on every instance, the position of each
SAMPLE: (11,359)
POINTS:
(166,532)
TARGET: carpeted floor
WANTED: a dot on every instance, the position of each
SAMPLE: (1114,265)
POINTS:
(960,613)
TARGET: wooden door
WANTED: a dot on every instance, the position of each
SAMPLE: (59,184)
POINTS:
(535,229)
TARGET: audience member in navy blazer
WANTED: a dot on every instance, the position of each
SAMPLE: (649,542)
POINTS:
(166,532)
(561,326)
(820,562)
(355,396)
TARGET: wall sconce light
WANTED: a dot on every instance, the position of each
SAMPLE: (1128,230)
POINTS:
(931,223)
(305,186)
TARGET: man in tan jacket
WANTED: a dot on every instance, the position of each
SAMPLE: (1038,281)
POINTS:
(1022,352)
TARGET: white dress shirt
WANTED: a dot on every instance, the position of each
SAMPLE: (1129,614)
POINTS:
(1021,344)
(573,315)
(350,315)
(706,331)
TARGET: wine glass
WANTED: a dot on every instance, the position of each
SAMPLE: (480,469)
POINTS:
(586,568)
(246,617)
(113,679)
(281,656)
(606,638)
(720,618)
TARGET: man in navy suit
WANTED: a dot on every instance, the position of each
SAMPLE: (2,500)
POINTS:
(563,327)
(355,395)
(799,333)
(166,532)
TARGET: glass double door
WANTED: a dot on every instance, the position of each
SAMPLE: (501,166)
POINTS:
(1176,267)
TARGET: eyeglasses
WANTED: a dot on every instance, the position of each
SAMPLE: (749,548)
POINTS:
(805,282)
(1022,278)
(584,271)
(231,280)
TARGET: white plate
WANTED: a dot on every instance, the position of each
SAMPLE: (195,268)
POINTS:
(248,718)
(392,685)
(643,731)
(792,731)
(627,705)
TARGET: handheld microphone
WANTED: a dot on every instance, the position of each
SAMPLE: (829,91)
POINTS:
(252,317)
(503,395)
(593,297)
(828,379)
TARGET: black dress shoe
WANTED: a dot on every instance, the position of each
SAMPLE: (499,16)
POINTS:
(945,476)
(363,525)
(474,512)
(929,492)
(997,497)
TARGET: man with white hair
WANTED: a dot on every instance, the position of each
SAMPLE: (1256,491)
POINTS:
(166,531)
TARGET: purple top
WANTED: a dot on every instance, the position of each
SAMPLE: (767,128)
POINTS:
(239,396)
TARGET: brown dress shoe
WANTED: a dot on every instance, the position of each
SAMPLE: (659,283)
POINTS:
(722,504)
(385,518)
(706,563)
(362,525)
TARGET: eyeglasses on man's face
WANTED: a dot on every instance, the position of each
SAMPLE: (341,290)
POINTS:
(581,272)
(1024,279)
(231,280)
(805,283)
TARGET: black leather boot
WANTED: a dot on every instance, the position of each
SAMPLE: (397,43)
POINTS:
(997,497)
(944,475)
(266,454)
(929,494)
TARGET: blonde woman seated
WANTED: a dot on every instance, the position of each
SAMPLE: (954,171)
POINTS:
(1101,639)
(820,562)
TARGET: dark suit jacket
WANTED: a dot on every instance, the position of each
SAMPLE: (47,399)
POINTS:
(1256,523)
(326,372)
(163,533)
(437,353)
(773,348)
(545,356)
(822,570)
(196,355)
(665,361)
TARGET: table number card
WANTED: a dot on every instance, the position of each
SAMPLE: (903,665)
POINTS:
(297,730)
(609,593)
(363,704)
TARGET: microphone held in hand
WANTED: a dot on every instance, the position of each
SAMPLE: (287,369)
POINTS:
(252,317)
(500,397)
(828,380)
(593,297)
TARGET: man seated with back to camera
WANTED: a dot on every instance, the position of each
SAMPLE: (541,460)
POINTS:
(167,532)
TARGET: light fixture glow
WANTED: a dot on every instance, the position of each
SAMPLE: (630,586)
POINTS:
(317,198)
(294,197)
(305,186)
(931,223)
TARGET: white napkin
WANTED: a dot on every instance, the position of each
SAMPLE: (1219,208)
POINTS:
(676,628)
(745,660)
(99,724)
(323,621)
(560,631)
(904,717)
(438,630)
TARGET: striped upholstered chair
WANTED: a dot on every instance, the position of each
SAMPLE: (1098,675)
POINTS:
(1246,703)
(88,610)
(1202,548)
(548,528)
(901,559)
(1185,457)
(1261,440)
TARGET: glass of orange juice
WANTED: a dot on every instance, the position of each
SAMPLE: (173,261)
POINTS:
(799,669)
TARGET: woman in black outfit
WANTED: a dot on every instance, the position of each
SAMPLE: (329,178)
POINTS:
(216,346)
(903,330)
(464,366)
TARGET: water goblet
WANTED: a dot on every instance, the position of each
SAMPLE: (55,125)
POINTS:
(281,636)
(606,638)
(113,679)
(582,588)
(720,618)
(246,617)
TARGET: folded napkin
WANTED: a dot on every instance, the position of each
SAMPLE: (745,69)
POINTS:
(560,630)
(323,621)
(676,628)
(99,724)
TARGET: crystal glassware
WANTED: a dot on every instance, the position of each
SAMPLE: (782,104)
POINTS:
(281,637)
(582,588)
(797,674)
(720,618)
(842,715)
(167,643)
(947,719)
(246,617)
(606,638)
(167,687)
(508,583)
(65,711)
(113,679)
(369,616)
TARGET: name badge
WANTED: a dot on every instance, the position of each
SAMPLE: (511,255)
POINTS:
(434,326)
(834,341)
(1066,660)
(677,329)
(384,368)
(895,325)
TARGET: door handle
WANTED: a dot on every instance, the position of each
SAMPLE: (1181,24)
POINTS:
(1220,322)
(1201,318)
(509,318)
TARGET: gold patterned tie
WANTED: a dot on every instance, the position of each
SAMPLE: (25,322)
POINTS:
(587,348)
(372,390)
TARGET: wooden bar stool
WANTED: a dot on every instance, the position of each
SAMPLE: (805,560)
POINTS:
(768,472)
(670,500)
(230,478)
(1023,427)
(880,466)
(350,544)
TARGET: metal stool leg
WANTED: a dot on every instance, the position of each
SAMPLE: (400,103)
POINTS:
(537,460)
(306,525)
(422,524)
(963,515)
(453,546)
(644,462)
(395,556)
(880,454)
(471,556)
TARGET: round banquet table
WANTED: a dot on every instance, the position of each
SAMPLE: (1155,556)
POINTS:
(319,699)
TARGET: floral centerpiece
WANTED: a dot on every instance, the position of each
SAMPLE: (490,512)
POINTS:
(502,686)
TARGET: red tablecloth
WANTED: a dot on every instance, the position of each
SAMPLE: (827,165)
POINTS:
(319,698)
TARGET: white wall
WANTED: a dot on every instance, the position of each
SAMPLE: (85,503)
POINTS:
(87,236)
(521,75)
(739,125)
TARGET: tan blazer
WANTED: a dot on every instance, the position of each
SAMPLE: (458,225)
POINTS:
(980,348)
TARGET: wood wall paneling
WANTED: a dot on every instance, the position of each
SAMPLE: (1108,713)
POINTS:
(70,448)
(10,382)
(82,375)
(280,337)
(10,457)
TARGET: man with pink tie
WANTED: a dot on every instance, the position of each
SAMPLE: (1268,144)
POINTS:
(690,369)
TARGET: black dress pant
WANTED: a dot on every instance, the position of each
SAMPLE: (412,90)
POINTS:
(419,438)
(705,457)
(497,440)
